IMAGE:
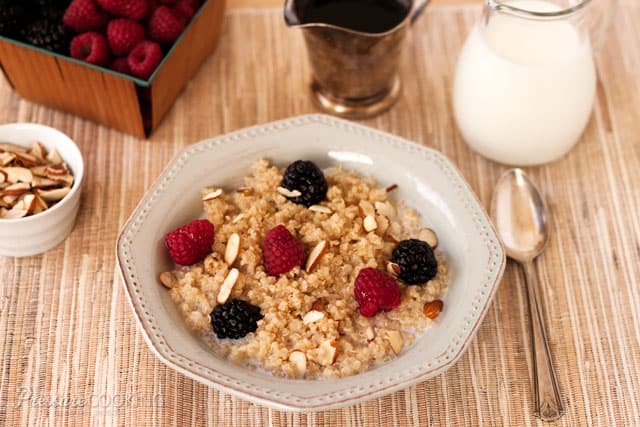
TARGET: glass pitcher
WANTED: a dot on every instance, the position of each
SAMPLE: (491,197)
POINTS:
(525,80)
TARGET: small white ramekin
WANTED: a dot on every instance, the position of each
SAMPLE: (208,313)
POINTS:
(38,233)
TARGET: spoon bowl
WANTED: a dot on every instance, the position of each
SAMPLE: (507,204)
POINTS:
(520,216)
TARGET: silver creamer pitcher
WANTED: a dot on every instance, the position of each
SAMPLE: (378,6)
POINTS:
(354,72)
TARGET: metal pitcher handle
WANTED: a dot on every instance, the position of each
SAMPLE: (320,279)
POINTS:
(418,8)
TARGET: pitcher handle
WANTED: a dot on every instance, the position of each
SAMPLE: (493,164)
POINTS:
(418,8)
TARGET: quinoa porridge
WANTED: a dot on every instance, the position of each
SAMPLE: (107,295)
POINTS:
(308,321)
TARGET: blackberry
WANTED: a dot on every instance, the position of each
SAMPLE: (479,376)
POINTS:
(234,319)
(47,34)
(48,9)
(308,179)
(12,15)
(417,261)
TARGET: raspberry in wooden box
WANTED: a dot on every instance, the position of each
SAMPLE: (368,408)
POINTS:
(131,104)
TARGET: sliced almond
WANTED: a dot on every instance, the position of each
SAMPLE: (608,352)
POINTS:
(3,177)
(40,205)
(312,316)
(65,180)
(212,195)
(168,279)
(289,193)
(429,236)
(383,224)
(59,169)
(54,157)
(41,182)
(366,208)
(28,202)
(369,223)
(6,158)
(12,148)
(15,213)
(396,341)
(227,285)
(9,201)
(299,360)
(232,249)
(38,150)
(391,187)
(237,218)
(245,190)
(320,208)
(393,268)
(386,209)
(369,334)
(432,309)
(327,352)
(53,195)
(16,189)
(26,159)
(315,255)
(39,170)
(18,174)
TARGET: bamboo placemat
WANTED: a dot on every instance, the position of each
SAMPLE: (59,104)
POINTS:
(70,351)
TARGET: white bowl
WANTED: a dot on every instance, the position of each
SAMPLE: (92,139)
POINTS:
(427,181)
(38,233)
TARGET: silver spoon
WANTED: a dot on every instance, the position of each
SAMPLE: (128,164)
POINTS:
(520,216)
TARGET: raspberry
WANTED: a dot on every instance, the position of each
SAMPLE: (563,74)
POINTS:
(90,47)
(120,65)
(144,59)
(190,243)
(281,251)
(375,290)
(133,9)
(166,25)
(417,261)
(308,179)
(234,319)
(84,15)
(187,8)
(123,35)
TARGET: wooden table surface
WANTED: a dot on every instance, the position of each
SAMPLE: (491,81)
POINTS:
(70,349)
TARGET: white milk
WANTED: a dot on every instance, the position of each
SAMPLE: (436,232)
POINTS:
(524,90)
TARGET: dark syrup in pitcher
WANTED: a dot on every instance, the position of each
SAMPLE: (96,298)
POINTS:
(368,16)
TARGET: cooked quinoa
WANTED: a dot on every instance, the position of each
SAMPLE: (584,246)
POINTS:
(359,342)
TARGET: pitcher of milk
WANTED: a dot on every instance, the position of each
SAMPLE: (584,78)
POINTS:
(525,80)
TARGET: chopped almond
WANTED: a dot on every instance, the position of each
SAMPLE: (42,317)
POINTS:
(288,193)
(212,195)
(18,174)
(168,279)
(315,255)
(432,309)
(232,249)
(369,223)
(312,316)
(227,285)
(396,341)
(299,360)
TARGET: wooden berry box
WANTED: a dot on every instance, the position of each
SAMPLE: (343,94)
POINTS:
(116,100)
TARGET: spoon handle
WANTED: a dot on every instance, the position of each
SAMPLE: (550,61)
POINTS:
(548,405)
